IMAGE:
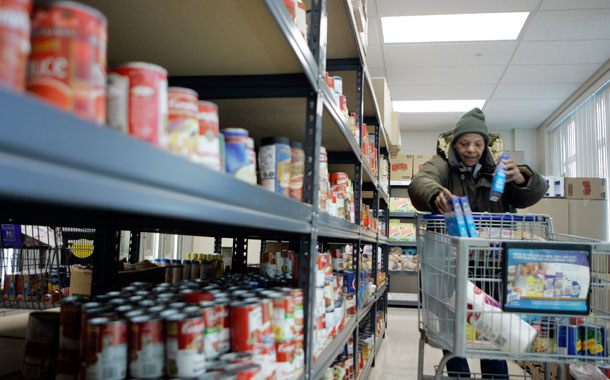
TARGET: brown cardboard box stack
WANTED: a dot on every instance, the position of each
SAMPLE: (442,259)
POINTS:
(402,168)
(585,188)
(419,161)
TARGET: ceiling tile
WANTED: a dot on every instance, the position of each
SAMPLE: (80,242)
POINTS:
(571,4)
(374,35)
(418,7)
(376,72)
(562,52)
(449,54)
(441,92)
(509,114)
(524,74)
(569,25)
(535,91)
(463,75)
(433,121)
(374,56)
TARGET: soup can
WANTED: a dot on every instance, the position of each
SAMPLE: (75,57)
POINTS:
(146,347)
(208,145)
(236,153)
(67,66)
(14,43)
(182,129)
(185,356)
(246,321)
(106,351)
(137,100)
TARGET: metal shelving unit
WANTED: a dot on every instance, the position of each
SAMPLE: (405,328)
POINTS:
(403,273)
(399,243)
(249,58)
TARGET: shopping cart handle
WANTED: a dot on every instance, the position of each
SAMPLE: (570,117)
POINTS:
(491,217)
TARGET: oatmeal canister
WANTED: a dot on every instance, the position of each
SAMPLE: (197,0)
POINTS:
(137,100)
(67,65)
(274,161)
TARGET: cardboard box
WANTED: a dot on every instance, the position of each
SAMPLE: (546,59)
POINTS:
(588,218)
(585,188)
(419,161)
(80,281)
(154,275)
(558,187)
(402,168)
(557,209)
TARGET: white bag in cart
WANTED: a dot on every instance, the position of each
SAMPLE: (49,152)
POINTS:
(506,330)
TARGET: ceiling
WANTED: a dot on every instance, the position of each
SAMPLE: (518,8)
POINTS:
(562,43)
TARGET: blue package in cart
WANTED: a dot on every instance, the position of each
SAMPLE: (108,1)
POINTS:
(454,219)
(499,180)
(468,218)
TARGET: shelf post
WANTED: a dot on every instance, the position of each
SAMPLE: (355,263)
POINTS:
(134,247)
(105,257)
(217,244)
(239,262)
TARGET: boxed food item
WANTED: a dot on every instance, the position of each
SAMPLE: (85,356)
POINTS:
(419,161)
(585,188)
(80,281)
(402,168)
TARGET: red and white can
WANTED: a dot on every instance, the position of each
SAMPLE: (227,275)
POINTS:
(283,316)
(137,100)
(268,334)
(106,351)
(208,144)
(285,359)
(14,43)
(237,357)
(211,336)
(299,318)
(246,371)
(67,66)
(246,322)
(182,130)
(185,355)
(146,347)
(224,326)
(287,261)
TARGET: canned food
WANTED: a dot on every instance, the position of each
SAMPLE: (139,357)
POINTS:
(299,320)
(14,43)
(211,336)
(216,366)
(297,170)
(224,325)
(274,160)
(208,145)
(106,351)
(246,321)
(236,153)
(146,347)
(237,357)
(41,341)
(134,313)
(123,309)
(267,328)
(283,317)
(184,343)
(68,361)
(246,371)
(251,161)
(349,282)
(91,313)
(182,130)
(156,309)
(137,100)
(196,296)
(285,359)
(67,66)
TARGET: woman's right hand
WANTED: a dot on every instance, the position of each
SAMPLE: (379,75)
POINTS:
(442,200)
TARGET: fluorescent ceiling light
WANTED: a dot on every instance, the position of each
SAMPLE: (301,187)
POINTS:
(430,106)
(453,27)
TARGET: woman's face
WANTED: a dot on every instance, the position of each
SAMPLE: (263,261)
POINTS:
(469,148)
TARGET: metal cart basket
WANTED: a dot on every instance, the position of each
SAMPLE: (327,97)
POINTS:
(455,273)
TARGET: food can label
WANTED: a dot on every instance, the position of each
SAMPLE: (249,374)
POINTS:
(146,349)
(185,349)
(283,169)
(208,145)
(14,46)
(67,65)
(107,352)
(297,172)
(267,162)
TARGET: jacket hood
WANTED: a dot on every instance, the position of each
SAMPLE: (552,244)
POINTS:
(495,147)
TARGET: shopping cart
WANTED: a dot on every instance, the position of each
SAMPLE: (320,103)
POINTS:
(453,271)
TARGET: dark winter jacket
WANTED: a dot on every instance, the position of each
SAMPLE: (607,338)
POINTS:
(444,170)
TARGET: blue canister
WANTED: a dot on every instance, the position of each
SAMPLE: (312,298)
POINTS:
(568,340)
(274,162)
(236,152)
(349,282)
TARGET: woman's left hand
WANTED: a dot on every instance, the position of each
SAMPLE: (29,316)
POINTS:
(513,174)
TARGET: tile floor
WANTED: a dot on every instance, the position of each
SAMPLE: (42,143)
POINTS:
(398,355)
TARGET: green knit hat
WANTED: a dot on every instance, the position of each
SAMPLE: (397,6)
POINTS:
(472,121)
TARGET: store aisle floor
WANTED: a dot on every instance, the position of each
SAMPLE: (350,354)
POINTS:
(397,358)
